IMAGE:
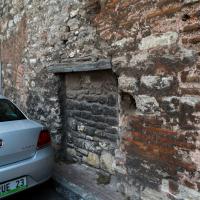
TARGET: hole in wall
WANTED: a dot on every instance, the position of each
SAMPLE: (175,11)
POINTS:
(64,41)
(127,103)
(67,29)
(93,7)
(185,17)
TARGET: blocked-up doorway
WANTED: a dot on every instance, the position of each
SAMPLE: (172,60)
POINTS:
(90,110)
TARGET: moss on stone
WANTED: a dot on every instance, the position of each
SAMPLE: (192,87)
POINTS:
(103,179)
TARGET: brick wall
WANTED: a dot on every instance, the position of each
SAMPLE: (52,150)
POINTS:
(155,53)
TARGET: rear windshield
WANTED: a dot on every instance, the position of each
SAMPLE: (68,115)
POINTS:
(9,112)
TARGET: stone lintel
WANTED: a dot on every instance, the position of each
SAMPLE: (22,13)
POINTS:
(80,66)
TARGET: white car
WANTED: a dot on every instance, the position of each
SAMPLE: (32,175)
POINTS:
(26,155)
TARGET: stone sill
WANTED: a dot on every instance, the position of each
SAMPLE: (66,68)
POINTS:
(80,66)
(78,182)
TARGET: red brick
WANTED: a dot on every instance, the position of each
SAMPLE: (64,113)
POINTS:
(162,3)
(191,27)
(163,12)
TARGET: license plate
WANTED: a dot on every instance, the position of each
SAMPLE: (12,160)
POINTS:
(12,187)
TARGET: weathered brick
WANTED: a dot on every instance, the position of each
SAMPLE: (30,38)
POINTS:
(191,27)
(192,40)
(164,12)
(162,3)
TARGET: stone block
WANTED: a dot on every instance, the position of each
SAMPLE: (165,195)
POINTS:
(112,130)
(73,24)
(81,128)
(190,76)
(166,11)
(190,100)
(191,27)
(153,41)
(111,121)
(71,152)
(107,162)
(95,99)
(72,123)
(104,110)
(82,151)
(146,104)
(96,109)
(120,161)
(89,130)
(128,84)
(78,142)
(190,1)
(170,104)
(157,82)
(107,146)
(193,39)
(182,192)
(112,100)
(123,42)
(76,134)
(119,62)
(92,159)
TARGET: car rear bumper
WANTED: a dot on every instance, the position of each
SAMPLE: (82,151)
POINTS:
(37,169)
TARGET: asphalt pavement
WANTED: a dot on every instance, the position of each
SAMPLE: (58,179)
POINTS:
(44,191)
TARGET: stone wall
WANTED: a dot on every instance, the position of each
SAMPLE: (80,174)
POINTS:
(35,34)
(154,47)
(92,118)
(155,53)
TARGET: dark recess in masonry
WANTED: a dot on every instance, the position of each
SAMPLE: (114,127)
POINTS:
(185,17)
(128,104)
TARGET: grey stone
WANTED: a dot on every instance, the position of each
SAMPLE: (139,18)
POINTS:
(128,84)
(157,82)
(92,159)
(190,1)
(146,104)
(153,41)
(107,162)
(190,100)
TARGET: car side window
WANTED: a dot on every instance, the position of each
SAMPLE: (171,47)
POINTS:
(9,112)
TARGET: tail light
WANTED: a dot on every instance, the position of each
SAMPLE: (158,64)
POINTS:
(44,139)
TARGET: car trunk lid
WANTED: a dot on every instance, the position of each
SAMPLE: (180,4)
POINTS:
(19,140)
